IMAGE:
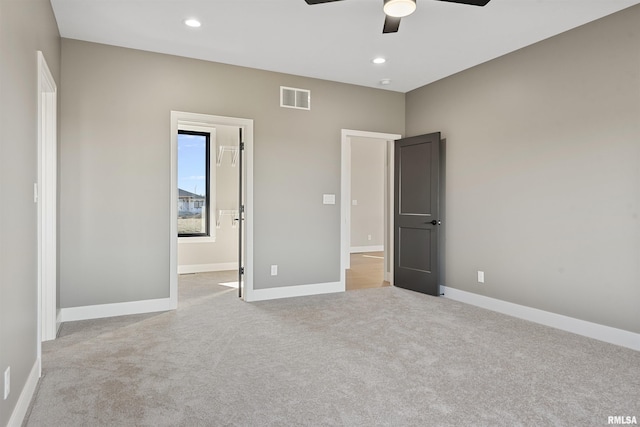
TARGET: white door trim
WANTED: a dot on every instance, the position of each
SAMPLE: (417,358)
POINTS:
(345,202)
(195,119)
(45,194)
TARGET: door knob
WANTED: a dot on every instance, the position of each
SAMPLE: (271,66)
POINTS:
(434,222)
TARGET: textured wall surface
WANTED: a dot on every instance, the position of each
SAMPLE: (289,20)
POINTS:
(367,187)
(114,230)
(25,28)
(543,172)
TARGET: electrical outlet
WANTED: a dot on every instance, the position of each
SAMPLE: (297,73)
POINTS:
(7,382)
(368,236)
(480,276)
(274,270)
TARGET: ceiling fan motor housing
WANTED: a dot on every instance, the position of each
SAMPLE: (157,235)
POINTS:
(399,8)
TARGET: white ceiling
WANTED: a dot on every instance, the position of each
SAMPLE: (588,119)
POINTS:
(332,41)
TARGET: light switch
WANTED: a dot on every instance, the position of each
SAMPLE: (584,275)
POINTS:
(328,199)
(354,202)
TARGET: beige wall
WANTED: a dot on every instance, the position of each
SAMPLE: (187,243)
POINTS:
(25,28)
(114,201)
(367,187)
(543,172)
(225,249)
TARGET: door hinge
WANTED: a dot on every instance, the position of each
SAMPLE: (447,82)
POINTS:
(241,270)
(241,208)
(242,145)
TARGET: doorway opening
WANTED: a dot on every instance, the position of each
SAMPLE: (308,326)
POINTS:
(212,194)
(367,209)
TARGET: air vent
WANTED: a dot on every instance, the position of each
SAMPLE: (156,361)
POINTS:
(291,97)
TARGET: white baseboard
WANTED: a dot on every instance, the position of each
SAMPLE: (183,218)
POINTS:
(361,249)
(203,268)
(22,406)
(581,327)
(295,291)
(117,309)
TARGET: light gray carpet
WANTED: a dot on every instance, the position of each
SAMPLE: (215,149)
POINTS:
(378,357)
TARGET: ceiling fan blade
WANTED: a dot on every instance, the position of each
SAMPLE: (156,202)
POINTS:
(391,24)
(470,2)
(320,1)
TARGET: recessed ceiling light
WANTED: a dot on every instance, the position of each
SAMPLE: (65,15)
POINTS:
(193,23)
(379,60)
(385,82)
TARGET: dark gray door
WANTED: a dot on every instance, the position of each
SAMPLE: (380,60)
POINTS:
(417,214)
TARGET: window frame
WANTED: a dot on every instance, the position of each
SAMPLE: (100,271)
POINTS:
(210,196)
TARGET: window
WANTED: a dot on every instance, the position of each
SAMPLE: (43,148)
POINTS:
(194,183)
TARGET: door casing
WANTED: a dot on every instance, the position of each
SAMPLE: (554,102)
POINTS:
(45,195)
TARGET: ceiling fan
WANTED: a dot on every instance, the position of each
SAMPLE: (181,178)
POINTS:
(397,9)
